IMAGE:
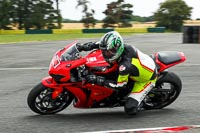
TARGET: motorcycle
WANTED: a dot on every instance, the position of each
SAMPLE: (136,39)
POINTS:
(66,82)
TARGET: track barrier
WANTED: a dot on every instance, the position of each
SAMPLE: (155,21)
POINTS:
(191,34)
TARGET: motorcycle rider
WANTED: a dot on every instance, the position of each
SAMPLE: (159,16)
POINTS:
(132,65)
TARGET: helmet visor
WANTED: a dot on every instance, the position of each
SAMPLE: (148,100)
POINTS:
(109,54)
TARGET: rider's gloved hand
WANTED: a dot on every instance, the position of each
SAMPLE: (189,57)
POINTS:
(91,79)
(100,80)
(95,79)
(87,46)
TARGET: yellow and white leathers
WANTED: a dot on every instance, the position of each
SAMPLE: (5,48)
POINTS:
(138,67)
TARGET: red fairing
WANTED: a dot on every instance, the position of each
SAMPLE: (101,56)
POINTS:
(95,59)
(65,67)
(164,66)
(62,68)
(97,93)
(85,94)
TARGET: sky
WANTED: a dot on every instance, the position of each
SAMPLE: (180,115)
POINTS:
(143,8)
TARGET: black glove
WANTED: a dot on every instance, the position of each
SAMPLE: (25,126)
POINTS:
(95,79)
(100,80)
(91,79)
(86,46)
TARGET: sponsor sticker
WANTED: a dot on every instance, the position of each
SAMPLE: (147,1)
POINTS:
(122,68)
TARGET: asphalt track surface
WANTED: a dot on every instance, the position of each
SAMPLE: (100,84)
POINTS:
(23,65)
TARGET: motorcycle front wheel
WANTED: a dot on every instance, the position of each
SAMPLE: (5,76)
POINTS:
(40,100)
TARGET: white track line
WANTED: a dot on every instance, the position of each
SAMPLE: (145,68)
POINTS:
(24,68)
(152,130)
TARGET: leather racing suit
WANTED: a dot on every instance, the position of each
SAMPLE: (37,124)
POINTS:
(133,65)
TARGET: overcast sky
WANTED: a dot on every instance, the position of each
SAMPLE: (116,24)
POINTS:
(141,8)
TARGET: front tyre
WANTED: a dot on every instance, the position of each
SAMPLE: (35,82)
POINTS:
(40,100)
(167,89)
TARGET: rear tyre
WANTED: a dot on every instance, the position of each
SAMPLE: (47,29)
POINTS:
(40,100)
(167,89)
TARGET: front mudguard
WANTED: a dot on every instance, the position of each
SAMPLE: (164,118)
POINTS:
(49,82)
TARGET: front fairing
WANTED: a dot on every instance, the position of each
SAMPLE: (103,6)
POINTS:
(95,58)
(96,62)
(64,61)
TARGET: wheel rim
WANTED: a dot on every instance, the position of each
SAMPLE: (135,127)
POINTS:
(45,104)
(162,96)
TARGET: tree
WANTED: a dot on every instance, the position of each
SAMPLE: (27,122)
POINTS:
(5,14)
(21,12)
(119,13)
(110,19)
(87,19)
(142,19)
(59,17)
(43,14)
(172,14)
(125,15)
(38,14)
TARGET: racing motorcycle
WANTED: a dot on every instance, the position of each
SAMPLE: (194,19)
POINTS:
(67,84)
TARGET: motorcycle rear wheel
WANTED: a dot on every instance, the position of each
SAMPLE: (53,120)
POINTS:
(165,93)
(40,100)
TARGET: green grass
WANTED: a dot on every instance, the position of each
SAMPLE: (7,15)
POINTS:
(43,37)
(46,37)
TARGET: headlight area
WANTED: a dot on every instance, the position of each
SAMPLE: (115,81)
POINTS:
(57,77)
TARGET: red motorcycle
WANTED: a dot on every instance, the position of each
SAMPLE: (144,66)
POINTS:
(67,84)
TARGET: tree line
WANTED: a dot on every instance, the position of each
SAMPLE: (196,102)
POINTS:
(40,14)
(27,14)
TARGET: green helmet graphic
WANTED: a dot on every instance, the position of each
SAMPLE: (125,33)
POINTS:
(112,46)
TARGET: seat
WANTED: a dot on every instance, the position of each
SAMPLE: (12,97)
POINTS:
(169,57)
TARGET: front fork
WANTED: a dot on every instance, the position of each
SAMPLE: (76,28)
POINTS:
(49,82)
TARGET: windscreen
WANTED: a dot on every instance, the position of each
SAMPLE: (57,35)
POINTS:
(70,53)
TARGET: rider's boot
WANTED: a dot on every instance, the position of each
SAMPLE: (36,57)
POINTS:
(131,106)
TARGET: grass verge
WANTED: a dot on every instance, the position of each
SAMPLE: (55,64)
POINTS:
(4,39)
(43,37)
